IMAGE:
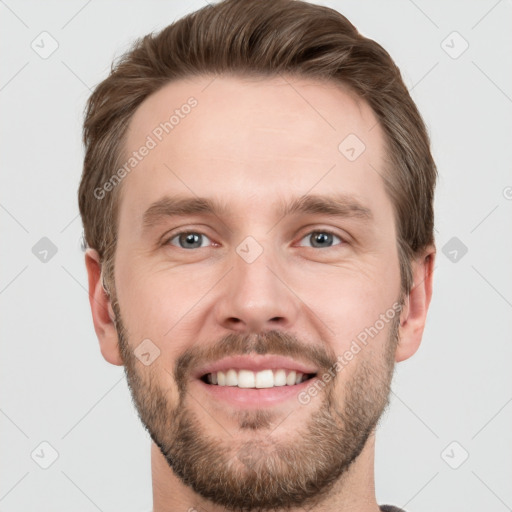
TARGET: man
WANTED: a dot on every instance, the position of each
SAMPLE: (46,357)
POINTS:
(257,204)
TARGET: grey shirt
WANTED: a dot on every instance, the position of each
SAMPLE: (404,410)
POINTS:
(383,508)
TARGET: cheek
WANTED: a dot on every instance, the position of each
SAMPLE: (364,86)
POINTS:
(348,298)
(360,320)
(151,315)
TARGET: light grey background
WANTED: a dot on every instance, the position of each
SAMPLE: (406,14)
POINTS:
(55,385)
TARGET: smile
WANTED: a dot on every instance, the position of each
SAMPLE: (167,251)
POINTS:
(267,378)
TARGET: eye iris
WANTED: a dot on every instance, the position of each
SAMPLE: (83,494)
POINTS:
(321,238)
(192,238)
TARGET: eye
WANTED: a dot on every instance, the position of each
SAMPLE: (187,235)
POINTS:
(188,240)
(196,240)
(321,238)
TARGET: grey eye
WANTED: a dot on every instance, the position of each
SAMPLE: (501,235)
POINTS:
(189,240)
(321,238)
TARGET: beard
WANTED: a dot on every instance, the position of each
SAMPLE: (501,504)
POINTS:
(264,473)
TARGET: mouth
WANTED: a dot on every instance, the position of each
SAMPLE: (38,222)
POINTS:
(263,379)
(255,380)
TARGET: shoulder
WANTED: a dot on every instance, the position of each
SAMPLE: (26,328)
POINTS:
(390,508)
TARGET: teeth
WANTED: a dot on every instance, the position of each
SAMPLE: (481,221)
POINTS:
(245,379)
(231,378)
(265,379)
(280,378)
(291,378)
(249,379)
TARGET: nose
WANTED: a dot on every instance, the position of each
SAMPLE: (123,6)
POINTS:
(257,298)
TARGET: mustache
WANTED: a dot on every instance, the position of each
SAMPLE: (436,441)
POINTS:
(271,342)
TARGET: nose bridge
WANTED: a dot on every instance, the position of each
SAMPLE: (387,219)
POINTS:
(256,297)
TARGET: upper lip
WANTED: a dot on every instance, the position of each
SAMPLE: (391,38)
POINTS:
(255,363)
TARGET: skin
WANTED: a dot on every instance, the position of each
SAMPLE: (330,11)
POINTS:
(253,144)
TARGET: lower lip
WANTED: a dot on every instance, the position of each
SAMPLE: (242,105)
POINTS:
(263,397)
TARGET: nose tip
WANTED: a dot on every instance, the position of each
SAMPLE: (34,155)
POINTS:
(255,300)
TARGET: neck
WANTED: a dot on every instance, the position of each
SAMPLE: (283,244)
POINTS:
(354,492)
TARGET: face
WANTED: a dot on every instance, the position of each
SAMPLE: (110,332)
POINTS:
(257,279)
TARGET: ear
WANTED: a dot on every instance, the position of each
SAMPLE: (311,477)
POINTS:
(102,312)
(414,312)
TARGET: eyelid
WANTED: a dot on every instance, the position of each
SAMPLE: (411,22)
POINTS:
(179,230)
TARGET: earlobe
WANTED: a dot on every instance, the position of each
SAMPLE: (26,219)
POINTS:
(102,312)
(414,313)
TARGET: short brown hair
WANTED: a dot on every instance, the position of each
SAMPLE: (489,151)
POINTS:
(261,38)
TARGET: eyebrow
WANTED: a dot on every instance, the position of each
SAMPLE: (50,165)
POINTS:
(338,205)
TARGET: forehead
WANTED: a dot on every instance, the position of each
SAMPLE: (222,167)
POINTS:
(245,138)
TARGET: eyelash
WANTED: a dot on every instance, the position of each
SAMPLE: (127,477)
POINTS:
(188,232)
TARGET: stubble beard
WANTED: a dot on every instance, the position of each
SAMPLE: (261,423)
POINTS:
(266,472)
